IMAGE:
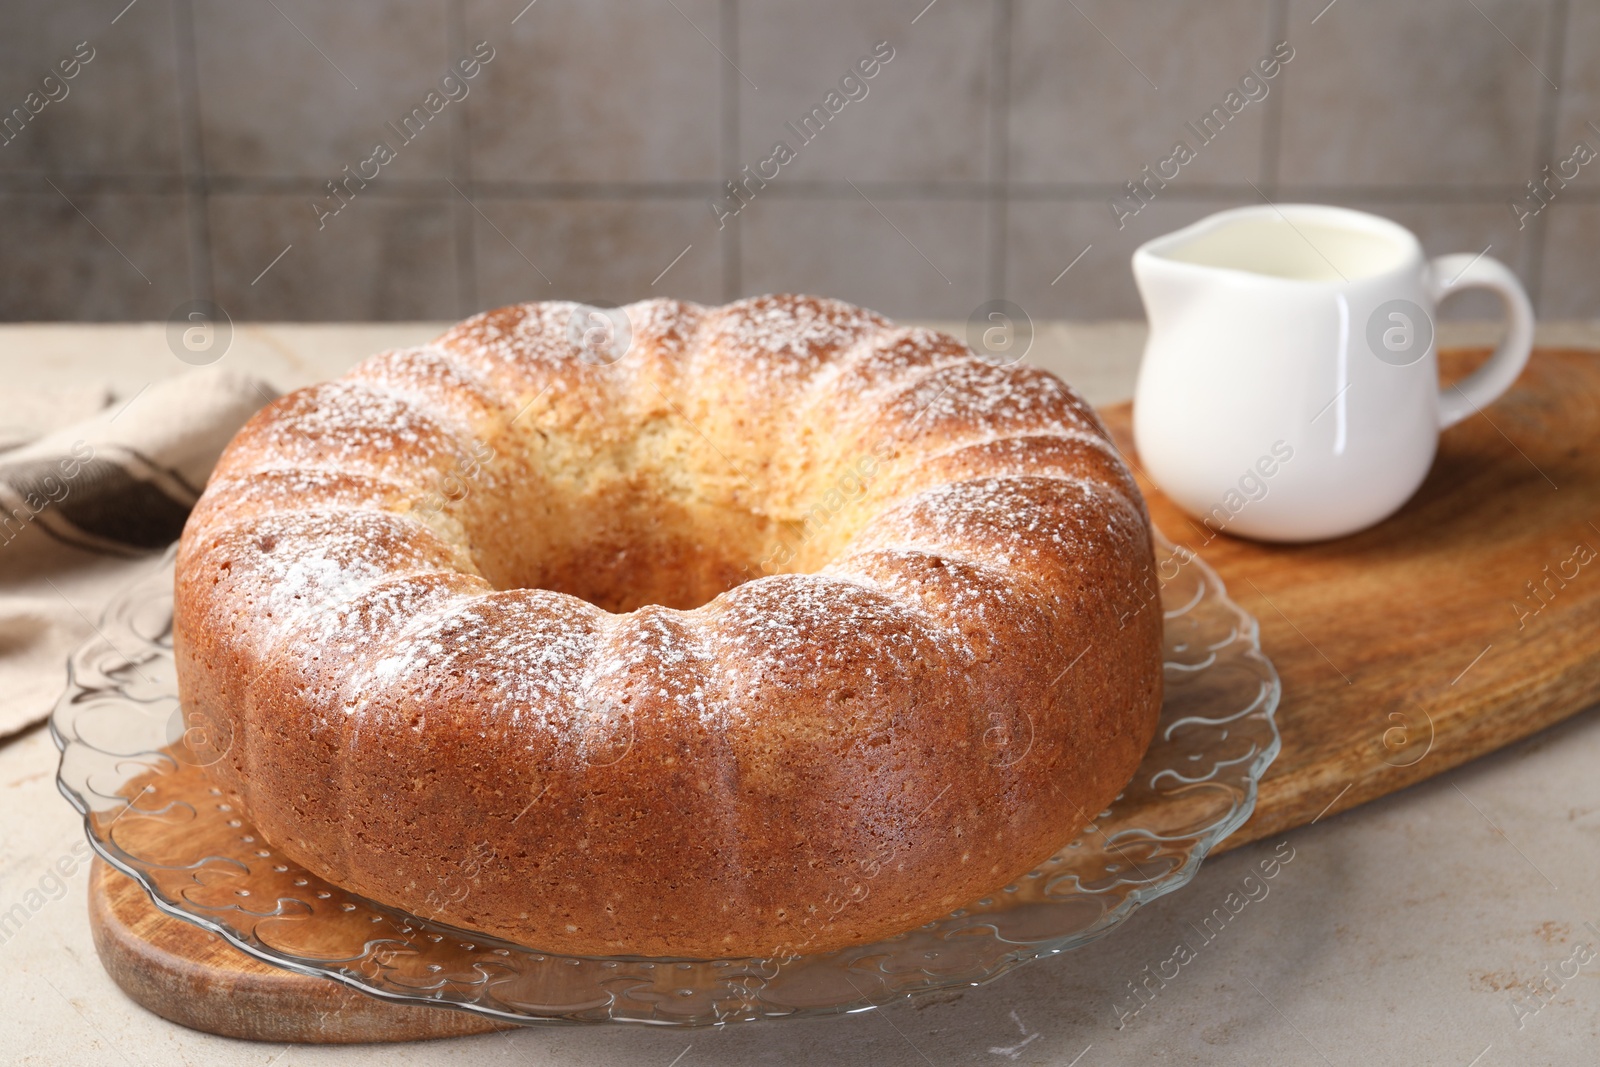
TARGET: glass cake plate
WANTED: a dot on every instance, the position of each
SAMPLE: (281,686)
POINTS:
(150,810)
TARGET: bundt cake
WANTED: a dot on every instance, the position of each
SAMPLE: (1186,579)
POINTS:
(673,630)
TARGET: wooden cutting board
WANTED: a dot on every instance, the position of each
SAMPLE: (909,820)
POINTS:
(185,974)
(1461,624)
(1469,620)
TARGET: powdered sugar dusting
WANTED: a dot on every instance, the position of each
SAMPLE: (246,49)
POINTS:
(659,654)
(419,626)
(771,339)
(662,327)
(883,360)
(817,630)
(241,497)
(348,420)
(433,383)
(517,658)
(996,522)
(340,426)
(294,567)
(987,401)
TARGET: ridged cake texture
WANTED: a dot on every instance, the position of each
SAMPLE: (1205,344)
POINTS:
(773,628)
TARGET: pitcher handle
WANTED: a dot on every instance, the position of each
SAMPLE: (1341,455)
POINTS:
(1452,273)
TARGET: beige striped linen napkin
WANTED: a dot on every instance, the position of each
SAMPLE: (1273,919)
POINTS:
(89,506)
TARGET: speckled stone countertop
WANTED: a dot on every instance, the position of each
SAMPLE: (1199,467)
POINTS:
(1446,924)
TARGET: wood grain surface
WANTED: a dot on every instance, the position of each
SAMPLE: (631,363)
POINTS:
(1467,621)
(190,976)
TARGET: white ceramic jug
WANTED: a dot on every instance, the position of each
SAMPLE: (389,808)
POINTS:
(1289,389)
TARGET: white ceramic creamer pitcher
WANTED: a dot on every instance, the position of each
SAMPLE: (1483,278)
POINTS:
(1290,389)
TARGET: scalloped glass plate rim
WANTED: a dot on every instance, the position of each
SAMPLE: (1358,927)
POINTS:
(1210,586)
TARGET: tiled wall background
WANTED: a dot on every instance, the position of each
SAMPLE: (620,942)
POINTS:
(184,161)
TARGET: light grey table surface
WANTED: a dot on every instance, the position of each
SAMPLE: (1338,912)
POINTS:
(1435,926)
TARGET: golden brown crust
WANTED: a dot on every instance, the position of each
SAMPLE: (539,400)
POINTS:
(787,630)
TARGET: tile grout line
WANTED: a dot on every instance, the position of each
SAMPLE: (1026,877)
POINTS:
(1560,15)
(999,170)
(1277,24)
(799,189)
(996,192)
(731,242)
(455,36)
(191,153)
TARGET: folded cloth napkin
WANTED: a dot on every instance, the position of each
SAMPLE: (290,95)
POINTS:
(87,509)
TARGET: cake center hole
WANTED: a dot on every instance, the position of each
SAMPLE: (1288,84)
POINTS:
(652,515)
